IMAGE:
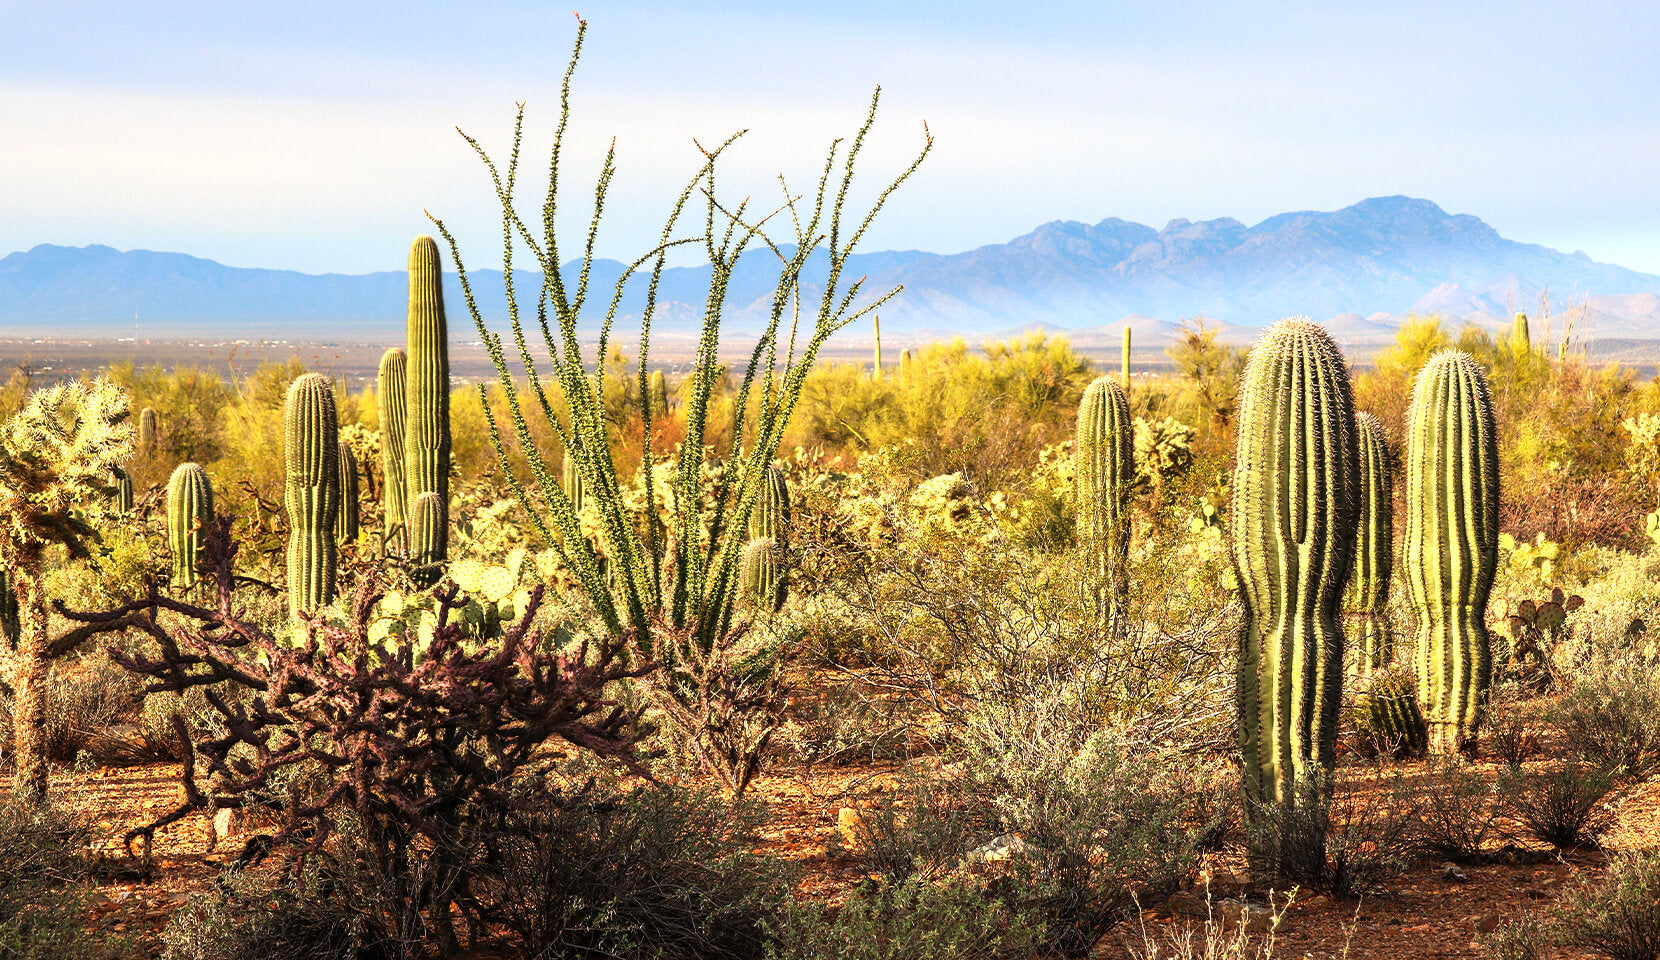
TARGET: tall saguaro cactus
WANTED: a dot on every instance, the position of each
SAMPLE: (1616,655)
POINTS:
(311,450)
(1451,546)
(149,432)
(122,482)
(11,622)
(770,517)
(1124,361)
(1369,635)
(189,512)
(657,394)
(427,529)
(876,366)
(394,413)
(345,520)
(427,441)
(1104,466)
(1520,340)
(1296,503)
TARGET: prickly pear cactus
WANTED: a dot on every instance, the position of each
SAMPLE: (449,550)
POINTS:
(311,492)
(1452,542)
(1296,506)
(391,395)
(1369,632)
(189,513)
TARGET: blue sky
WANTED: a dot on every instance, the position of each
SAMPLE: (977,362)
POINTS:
(310,135)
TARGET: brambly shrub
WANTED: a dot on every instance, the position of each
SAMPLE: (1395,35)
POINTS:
(1618,917)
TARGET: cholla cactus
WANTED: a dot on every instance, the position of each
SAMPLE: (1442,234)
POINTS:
(54,457)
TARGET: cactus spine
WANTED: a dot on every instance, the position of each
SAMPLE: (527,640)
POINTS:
(427,440)
(311,450)
(189,512)
(1104,466)
(394,412)
(149,432)
(1124,362)
(1452,536)
(1296,496)
(1369,636)
(122,500)
(427,531)
(761,581)
(345,521)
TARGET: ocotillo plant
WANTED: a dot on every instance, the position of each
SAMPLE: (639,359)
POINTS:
(1369,632)
(1124,362)
(1451,546)
(189,513)
(1296,504)
(427,441)
(761,581)
(394,413)
(122,500)
(149,432)
(345,520)
(311,450)
(1103,468)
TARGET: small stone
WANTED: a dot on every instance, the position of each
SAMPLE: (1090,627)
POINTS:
(998,849)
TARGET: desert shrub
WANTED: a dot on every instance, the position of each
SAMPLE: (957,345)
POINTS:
(258,915)
(1528,937)
(850,726)
(1457,811)
(42,910)
(632,871)
(1340,839)
(1513,725)
(83,699)
(1610,715)
(1562,805)
(954,920)
(1619,917)
(922,830)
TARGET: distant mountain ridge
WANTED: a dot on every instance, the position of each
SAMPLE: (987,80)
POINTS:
(1361,265)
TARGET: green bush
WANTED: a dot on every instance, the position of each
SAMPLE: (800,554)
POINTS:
(1457,811)
(1339,840)
(955,920)
(1610,715)
(42,906)
(1561,806)
(1619,917)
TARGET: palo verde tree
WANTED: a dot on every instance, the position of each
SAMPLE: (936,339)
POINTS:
(628,576)
(55,457)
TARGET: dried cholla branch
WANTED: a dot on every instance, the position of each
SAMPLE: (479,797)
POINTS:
(420,732)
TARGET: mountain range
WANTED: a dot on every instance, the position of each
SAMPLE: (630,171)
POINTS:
(1359,269)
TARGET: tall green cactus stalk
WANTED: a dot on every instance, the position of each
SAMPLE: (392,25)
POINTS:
(1452,543)
(122,500)
(657,393)
(1520,341)
(189,513)
(427,533)
(770,517)
(876,370)
(149,432)
(345,520)
(427,441)
(1296,506)
(394,413)
(311,451)
(11,620)
(761,581)
(1103,468)
(905,361)
(570,480)
(1369,633)
(1124,362)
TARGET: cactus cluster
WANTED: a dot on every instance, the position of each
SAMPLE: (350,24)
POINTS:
(427,386)
(1296,504)
(1451,543)
(311,492)
(1103,469)
(1369,632)
(390,395)
(189,513)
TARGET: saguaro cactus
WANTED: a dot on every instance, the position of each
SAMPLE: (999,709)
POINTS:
(1104,466)
(1368,598)
(149,432)
(427,442)
(761,581)
(345,521)
(11,621)
(189,512)
(876,368)
(657,394)
(570,480)
(122,500)
(770,517)
(905,360)
(427,533)
(394,413)
(1451,546)
(311,449)
(1296,503)
(1124,362)
(1520,341)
